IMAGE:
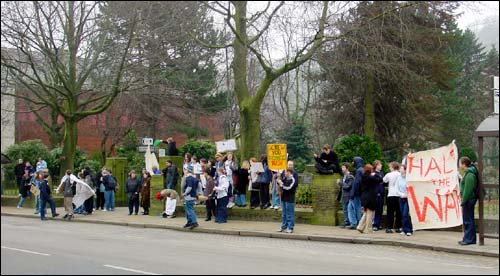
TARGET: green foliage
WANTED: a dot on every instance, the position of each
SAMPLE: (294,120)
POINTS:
(199,148)
(303,195)
(54,161)
(94,165)
(130,141)
(135,160)
(297,139)
(362,146)
(29,151)
(214,103)
(299,164)
(469,152)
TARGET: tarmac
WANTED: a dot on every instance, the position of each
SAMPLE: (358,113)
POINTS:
(444,241)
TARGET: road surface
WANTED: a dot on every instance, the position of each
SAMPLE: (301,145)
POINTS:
(31,246)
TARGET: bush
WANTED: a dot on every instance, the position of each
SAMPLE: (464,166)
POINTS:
(199,148)
(135,160)
(54,161)
(28,150)
(469,152)
(362,146)
(299,164)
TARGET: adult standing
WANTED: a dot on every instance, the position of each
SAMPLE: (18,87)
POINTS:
(99,190)
(132,189)
(230,167)
(146,193)
(222,198)
(369,183)
(345,185)
(209,193)
(354,206)
(467,188)
(264,180)
(24,189)
(66,187)
(379,209)
(109,183)
(403,202)
(393,210)
(89,179)
(189,191)
(241,185)
(254,187)
(19,173)
(327,162)
(171,175)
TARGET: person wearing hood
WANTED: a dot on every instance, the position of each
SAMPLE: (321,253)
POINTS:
(467,193)
(354,207)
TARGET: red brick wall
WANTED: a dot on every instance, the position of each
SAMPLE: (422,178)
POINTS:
(90,129)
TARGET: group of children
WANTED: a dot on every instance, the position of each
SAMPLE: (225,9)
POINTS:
(364,193)
(223,184)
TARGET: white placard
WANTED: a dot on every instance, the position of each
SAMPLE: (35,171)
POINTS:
(256,167)
(227,145)
(161,152)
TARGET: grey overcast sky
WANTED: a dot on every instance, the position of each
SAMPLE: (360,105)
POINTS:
(475,12)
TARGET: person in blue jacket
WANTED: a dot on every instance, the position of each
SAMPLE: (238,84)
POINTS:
(45,197)
(354,208)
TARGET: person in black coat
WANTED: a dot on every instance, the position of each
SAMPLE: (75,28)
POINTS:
(19,172)
(327,162)
(369,182)
(171,147)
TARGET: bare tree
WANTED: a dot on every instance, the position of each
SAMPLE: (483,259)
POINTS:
(248,33)
(62,45)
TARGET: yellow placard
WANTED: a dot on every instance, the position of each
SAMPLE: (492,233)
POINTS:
(276,156)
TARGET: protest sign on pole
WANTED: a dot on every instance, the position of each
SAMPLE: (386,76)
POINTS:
(227,145)
(433,188)
(276,156)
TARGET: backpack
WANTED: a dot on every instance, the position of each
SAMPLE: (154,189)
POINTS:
(110,183)
(477,189)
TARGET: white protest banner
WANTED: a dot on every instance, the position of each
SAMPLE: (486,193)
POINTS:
(227,145)
(83,192)
(432,178)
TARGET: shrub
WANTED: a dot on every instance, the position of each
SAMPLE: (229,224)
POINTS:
(362,146)
(199,148)
(469,152)
(54,161)
(28,150)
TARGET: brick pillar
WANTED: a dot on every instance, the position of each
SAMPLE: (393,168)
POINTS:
(325,205)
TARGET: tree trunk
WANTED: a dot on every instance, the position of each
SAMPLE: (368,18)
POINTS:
(369,107)
(250,132)
(69,149)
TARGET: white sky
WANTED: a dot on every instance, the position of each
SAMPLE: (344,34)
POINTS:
(475,12)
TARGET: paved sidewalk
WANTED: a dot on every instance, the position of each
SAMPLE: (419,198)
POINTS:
(432,240)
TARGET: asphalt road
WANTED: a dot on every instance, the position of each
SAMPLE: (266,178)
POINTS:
(31,246)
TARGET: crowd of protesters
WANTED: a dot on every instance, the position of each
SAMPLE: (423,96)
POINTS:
(221,183)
